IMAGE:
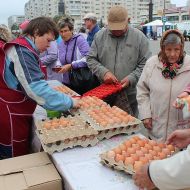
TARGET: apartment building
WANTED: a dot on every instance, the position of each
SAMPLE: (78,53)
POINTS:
(138,9)
(15,19)
(36,8)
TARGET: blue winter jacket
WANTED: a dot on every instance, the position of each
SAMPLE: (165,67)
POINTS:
(91,34)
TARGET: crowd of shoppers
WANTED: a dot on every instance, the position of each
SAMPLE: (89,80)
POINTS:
(117,53)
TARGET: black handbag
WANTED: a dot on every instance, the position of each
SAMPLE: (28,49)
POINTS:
(82,79)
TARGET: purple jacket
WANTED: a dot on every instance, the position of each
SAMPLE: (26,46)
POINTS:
(49,58)
(65,54)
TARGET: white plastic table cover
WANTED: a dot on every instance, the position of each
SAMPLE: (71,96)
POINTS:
(81,169)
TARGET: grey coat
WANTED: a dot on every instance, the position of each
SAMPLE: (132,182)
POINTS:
(123,56)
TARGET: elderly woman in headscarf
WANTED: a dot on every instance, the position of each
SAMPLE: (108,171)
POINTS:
(5,34)
(163,78)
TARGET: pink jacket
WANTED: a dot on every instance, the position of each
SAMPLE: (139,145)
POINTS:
(187,88)
(155,96)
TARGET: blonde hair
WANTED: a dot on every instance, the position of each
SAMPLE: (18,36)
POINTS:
(5,34)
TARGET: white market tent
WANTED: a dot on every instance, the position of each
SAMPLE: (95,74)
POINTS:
(157,23)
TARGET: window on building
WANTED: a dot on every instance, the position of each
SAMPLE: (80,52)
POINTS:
(185,17)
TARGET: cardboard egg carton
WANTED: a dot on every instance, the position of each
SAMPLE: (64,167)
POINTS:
(129,160)
(59,146)
(66,90)
(114,128)
(59,134)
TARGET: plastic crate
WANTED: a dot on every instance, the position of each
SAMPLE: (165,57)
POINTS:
(104,90)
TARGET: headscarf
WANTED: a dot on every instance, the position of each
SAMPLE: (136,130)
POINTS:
(5,34)
(24,24)
(170,70)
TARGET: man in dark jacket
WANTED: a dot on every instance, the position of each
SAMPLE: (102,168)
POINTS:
(90,20)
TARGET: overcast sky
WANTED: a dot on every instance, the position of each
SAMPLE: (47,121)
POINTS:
(16,7)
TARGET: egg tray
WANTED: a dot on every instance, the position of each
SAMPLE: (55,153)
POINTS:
(108,133)
(104,90)
(111,130)
(129,169)
(66,90)
(59,146)
(62,133)
(116,165)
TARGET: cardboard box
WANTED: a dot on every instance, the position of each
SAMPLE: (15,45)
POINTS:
(29,172)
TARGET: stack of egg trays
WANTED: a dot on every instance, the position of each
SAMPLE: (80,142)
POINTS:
(112,130)
(53,140)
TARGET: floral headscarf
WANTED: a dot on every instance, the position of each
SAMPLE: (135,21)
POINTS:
(170,70)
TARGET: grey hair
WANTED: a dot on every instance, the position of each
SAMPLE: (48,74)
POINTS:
(172,39)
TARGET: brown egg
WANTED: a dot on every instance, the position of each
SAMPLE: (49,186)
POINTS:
(122,147)
(162,155)
(153,152)
(47,126)
(166,151)
(148,146)
(119,158)
(136,138)
(156,158)
(144,160)
(131,150)
(152,142)
(138,165)
(145,140)
(128,143)
(126,120)
(139,153)
(110,121)
(126,154)
(131,118)
(161,145)
(149,156)
(170,147)
(144,150)
(135,157)
(103,123)
(111,154)
(157,148)
(133,141)
(136,146)
(129,161)
(141,143)
(117,150)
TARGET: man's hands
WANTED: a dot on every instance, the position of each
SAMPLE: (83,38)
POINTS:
(141,178)
(125,82)
(179,138)
(147,123)
(110,78)
(65,68)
